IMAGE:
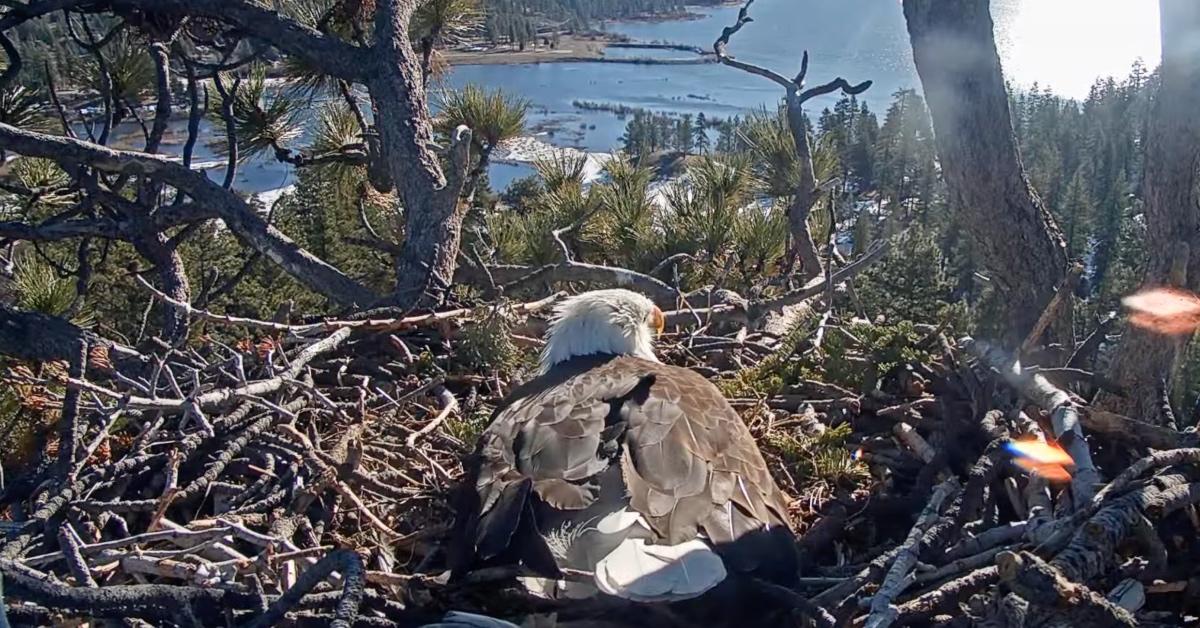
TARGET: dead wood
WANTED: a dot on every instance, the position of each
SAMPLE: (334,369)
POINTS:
(1065,415)
(1041,584)
(883,613)
(244,467)
(921,609)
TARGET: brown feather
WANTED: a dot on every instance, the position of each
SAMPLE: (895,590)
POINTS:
(687,461)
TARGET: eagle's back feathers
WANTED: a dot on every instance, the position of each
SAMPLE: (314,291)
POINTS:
(609,439)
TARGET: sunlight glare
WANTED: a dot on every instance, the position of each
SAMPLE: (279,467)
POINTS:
(1047,460)
(1068,44)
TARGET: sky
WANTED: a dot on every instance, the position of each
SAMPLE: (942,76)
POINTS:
(1070,43)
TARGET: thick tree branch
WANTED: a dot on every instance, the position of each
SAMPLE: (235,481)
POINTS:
(327,52)
(1065,415)
(237,214)
(38,337)
(1042,584)
(434,211)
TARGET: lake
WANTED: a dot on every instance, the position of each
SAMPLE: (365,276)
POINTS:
(1063,44)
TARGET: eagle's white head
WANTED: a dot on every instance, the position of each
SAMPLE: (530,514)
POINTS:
(617,322)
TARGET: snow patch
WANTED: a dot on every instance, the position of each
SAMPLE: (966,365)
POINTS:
(270,197)
(529,150)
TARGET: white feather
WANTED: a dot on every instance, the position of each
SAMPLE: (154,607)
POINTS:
(601,321)
(619,521)
(615,549)
(659,573)
(456,619)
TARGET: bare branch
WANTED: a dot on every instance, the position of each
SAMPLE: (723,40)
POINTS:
(883,613)
(237,214)
(1065,415)
(719,47)
(321,50)
(833,86)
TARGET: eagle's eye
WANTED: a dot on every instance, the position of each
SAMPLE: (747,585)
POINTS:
(656,320)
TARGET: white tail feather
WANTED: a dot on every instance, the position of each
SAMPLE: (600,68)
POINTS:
(659,573)
(624,565)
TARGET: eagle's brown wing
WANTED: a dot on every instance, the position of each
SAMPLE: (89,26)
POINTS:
(687,461)
(691,463)
(552,437)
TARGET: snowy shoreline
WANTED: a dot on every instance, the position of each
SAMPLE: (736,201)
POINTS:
(528,150)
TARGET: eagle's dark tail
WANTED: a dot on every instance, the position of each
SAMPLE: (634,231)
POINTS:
(767,554)
(506,535)
(760,564)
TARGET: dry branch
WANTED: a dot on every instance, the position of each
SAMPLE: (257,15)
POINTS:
(326,445)
(883,613)
(1041,584)
(1065,415)
(921,609)
(238,215)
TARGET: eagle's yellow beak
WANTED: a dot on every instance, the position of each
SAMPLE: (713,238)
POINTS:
(657,321)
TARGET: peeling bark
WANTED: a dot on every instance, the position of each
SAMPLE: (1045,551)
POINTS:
(1043,585)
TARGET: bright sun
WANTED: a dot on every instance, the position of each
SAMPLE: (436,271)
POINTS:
(1070,43)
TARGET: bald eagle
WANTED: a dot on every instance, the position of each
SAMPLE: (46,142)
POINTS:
(614,463)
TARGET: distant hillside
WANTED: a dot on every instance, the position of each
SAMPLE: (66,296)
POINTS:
(514,20)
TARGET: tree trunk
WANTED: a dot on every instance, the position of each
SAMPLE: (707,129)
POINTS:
(1172,206)
(806,196)
(433,213)
(1018,242)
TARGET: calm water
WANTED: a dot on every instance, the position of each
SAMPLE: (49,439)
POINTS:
(1063,44)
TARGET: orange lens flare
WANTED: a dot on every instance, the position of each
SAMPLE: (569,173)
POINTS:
(1038,451)
(1047,460)
(1051,472)
(1164,310)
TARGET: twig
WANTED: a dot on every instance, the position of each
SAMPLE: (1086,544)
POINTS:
(351,568)
(348,493)
(219,397)
(883,613)
(1063,295)
(758,309)
(377,325)
(448,404)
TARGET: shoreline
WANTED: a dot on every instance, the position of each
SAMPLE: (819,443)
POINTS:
(576,49)
(568,48)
